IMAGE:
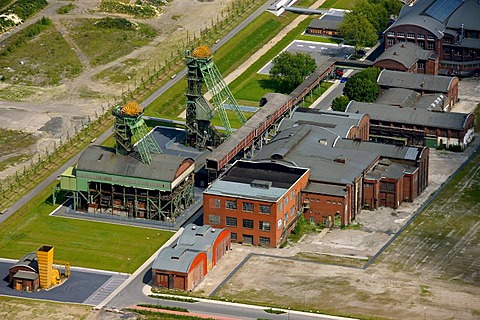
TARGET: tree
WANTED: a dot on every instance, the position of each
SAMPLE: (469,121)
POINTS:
(356,28)
(290,69)
(375,13)
(363,86)
(340,103)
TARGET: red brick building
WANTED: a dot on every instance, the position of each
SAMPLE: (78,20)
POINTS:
(183,265)
(259,202)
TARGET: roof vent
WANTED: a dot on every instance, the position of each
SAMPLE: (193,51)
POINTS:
(100,158)
(394,53)
(213,230)
(323,142)
(341,159)
(194,227)
(422,84)
(261,184)
(403,45)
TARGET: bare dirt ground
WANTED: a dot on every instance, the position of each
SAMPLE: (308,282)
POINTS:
(51,112)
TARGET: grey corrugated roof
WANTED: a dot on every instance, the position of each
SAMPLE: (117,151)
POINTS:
(25,275)
(471,43)
(309,152)
(404,53)
(275,101)
(198,238)
(104,160)
(467,14)
(382,112)
(414,81)
(242,190)
(175,259)
(389,170)
(29,261)
(398,97)
(411,15)
(329,189)
(329,22)
(384,150)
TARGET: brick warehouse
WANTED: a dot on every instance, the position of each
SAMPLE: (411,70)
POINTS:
(259,202)
(184,264)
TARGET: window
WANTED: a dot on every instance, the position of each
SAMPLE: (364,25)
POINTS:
(328,201)
(421,44)
(400,34)
(420,36)
(231,221)
(247,223)
(230,204)
(447,40)
(387,186)
(264,241)
(367,185)
(292,195)
(264,209)
(213,219)
(285,218)
(247,206)
(411,35)
(431,38)
(215,203)
(401,40)
(280,207)
(265,226)
(233,236)
(391,42)
(285,201)
(421,65)
(291,211)
(391,33)
(430,45)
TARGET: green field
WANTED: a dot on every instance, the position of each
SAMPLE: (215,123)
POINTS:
(101,44)
(444,239)
(339,4)
(307,37)
(83,243)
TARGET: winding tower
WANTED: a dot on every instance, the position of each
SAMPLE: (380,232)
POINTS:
(130,129)
(199,111)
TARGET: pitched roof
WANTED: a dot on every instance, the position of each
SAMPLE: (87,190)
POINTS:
(178,259)
(385,150)
(104,160)
(28,275)
(329,22)
(414,81)
(383,112)
(404,53)
(28,261)
(398,97)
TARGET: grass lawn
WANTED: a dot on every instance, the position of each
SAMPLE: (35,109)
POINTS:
(234,122)
(82,243)
(339,4)
(255,89)
(101,45)
(17,308)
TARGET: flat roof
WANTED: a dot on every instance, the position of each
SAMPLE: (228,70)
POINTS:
(327,189)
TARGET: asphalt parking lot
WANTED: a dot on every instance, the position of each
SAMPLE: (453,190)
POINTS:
(318,50)
(84,286)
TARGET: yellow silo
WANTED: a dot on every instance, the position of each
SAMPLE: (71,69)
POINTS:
(45,265)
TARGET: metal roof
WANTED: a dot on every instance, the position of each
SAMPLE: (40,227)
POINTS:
(329,22)
(414,81)
(239,180)
(467,15)
(311,152)
(28,261)
(405,53)
(104,160)
(275,101)
(328,189)
(422,117)
(384,150)
(28,275)
(193,240)
(389,170)
(398,97)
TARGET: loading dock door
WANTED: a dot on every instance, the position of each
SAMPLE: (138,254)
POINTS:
(247,239)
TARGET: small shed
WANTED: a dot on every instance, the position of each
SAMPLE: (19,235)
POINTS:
(28,262)
(26,281)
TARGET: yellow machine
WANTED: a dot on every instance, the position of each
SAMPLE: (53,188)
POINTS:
(48,275)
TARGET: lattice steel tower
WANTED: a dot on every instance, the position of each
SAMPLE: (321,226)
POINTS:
(202,70)
(129,129)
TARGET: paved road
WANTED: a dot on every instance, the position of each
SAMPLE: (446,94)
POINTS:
(181,75)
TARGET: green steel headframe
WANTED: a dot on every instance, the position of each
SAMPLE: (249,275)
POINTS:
(202,69)
(130,130)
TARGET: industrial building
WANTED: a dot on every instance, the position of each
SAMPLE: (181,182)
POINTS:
(183,265)
(35,270)
(327,24)
(451,29)
(408,57)
(259,202)
(416,126)
(134,180)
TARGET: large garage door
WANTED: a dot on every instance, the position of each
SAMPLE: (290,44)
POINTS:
(179,282)
(247,239)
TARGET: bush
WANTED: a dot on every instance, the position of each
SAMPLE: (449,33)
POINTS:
(340,103)
(66,9)
(116,23)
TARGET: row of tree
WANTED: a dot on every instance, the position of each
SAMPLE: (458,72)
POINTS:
(367,20)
